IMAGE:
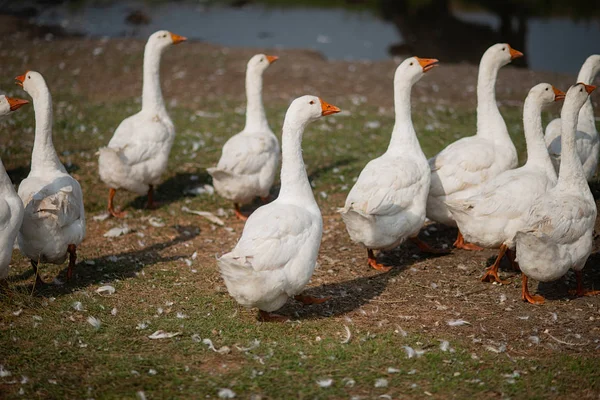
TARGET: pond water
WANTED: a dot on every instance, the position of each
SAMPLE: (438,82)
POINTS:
(555,44)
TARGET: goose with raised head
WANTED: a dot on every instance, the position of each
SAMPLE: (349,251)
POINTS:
(138,152)
(54,220)
(586,139)
(277,253)
(492,217)
(561,222)
(386,205)
(459,168)
(250,159)
(11,206)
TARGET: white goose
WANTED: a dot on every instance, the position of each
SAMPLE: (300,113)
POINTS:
(562,221)
(492,217)
(11,206)
(138,152)
(586,140)
(250,159)
(470,161)
(277,253)
(386,206)
(54,221)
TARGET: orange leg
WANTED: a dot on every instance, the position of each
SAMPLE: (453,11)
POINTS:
(512,255)
(491,274)
(426,248)
(525,296)
(151,205)
(238,212)
(111,208)
(265,316)
(308,300)
(460,243)
(581,291)
(72,249)
(373,262)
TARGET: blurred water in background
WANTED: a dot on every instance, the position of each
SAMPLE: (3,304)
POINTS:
(552,44)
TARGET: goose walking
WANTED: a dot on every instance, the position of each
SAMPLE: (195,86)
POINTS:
(459,168)
(561,222)
(11,206)
(277,253)
(138,152)
(54,219)
(250,159)
(586,138)
(492,217)
(386,206)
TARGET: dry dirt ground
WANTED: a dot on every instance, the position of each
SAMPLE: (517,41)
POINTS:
(419,295)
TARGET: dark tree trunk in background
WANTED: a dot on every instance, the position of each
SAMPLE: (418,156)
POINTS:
(431,30)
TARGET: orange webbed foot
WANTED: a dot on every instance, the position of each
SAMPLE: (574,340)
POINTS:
(265,316)
(461,244)
(373,262)
(238,213)
(426,248)
(308,300)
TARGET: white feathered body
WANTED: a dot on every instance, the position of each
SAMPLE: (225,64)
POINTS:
(247,167)
(11,217)
(493,216)
(387,204)
(276,255)
(560,235)
(586,140)
(458,169)
(54,216)
(138,153)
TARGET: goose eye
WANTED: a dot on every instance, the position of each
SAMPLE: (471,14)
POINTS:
(311,102)
(504,49)
(411,63)
(262,59)
(580,90)
(546,89)
(28,77)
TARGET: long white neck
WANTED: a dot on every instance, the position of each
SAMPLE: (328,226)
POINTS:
(537,153)
(256,120)
(294,181)
(44,155)
(152,99)
(586,120)
(490,123)
(571,171)
(4,179)
(403,135)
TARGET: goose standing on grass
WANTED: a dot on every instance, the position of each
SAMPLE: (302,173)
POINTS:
(586,139)
(470,161)
(561,223)
(492,217)
(138,152)
(11,206)
(277,253)
(54,221)
(386,206)
(250,159)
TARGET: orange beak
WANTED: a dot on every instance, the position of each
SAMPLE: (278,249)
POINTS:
(16,103)
(20,79)
(514,53)
(427,63)
(589,88)
(177,38)
(558,94)
(328,109)
(272,59)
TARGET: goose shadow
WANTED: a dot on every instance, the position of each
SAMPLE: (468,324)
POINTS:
(350,295)
(109,267)
(173,189)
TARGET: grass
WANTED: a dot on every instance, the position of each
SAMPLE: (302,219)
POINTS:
(161,285)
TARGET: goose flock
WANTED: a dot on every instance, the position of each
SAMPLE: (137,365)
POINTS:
(541,215)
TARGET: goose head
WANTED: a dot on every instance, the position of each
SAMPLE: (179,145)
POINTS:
(306,109)
(545,93)
(591,67)
(576,96)
(260,62)
(500,54)
(32,82)
(413,68)
(8,104)
(163,39)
